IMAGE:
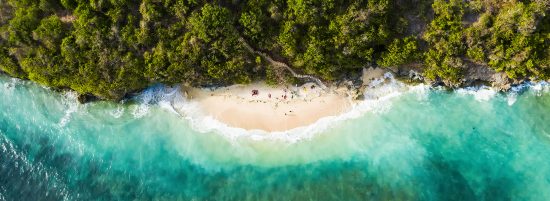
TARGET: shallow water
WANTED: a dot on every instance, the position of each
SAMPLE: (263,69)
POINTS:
(404,143)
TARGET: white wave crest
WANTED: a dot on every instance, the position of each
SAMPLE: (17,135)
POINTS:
(118,112)
(537,88)
(140,111)
(485,93)
(69,100)
(158,94)
(378,98)
(540,87)
(481,94)
(9,86)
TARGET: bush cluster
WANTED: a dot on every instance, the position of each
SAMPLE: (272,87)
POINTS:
(109,48)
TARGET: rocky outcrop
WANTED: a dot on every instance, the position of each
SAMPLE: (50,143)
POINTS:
(474,74)
(500,81)
(479,74)
(409,73)
(85,98)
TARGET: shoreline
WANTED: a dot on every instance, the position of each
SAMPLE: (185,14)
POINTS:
(234,106)
(259,106)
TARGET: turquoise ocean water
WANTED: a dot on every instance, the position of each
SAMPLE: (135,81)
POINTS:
(402,143)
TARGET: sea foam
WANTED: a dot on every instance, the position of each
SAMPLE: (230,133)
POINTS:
(537,88)
(481,93)
(378,96)
(8,87)
(118,112)
(69,100)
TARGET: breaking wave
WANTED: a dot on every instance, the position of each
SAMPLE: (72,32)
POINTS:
(69,100)
(378,98)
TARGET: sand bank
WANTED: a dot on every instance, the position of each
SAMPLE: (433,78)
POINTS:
(277,108)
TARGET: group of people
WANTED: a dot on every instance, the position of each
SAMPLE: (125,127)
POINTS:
(255,92)
(285,96)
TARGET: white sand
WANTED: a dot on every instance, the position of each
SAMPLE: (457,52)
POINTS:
(303,105)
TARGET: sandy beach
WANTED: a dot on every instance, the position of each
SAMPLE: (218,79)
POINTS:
(275,108)
(272,108)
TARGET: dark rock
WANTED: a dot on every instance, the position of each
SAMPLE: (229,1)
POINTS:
(476,74)
(85,98)
(437,83)
(479,83)
(409,70)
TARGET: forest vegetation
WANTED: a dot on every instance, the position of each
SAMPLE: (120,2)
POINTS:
(109,48)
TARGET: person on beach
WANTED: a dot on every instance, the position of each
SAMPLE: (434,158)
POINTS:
(269,95)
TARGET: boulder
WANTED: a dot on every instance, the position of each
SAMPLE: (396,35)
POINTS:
(85,98)
(501,81)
